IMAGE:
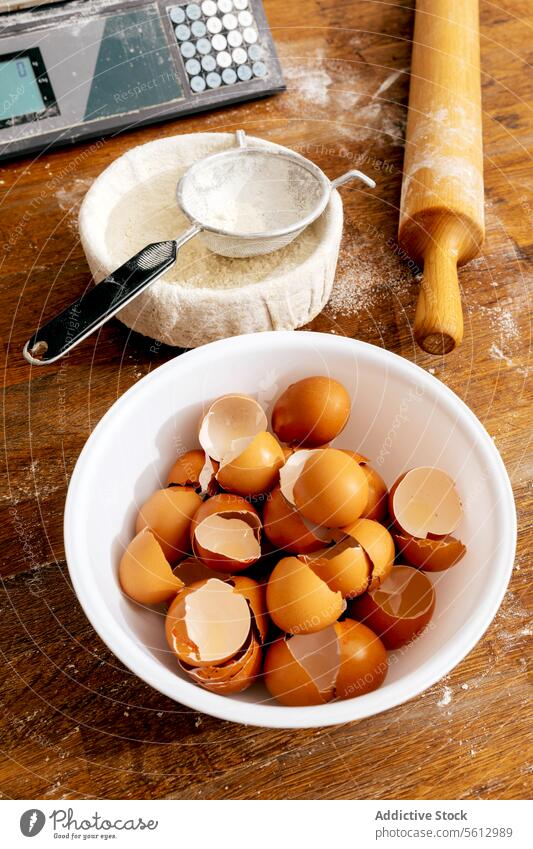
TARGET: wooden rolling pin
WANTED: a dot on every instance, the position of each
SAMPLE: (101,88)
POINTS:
(441,215)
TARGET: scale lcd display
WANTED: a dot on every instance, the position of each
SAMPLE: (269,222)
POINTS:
(20,94)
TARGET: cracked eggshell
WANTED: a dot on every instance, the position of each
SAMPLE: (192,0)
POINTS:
(208,623)
(424,502)
(255,595)
(191,571)
(377,504)
(399,609)
(284,527)
(430,555)
(291,471)
(311,412)
(363,661)
(377,542)
(168,513)
(144,572)
(256,469)
(345,567)
(187,471)
(301,670)
(215,536)
(232,677)
(298,601)
(331,489)
(229,425)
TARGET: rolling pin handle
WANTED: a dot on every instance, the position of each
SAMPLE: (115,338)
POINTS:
(438,326)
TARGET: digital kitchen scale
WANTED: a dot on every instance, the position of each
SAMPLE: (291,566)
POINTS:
(80,69)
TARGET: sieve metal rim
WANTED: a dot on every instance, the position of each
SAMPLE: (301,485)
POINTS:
(291,156)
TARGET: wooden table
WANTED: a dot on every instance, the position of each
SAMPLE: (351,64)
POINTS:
(73,722)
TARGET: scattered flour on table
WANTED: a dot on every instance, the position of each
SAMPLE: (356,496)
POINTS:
(446,697)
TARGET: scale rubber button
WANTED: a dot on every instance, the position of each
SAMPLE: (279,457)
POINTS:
(250,35)
(187,49)
(245,19)
(208,63)
(193,11)
(193,67)
(259,69)
(197,84)
(230,22)
(225,5)
(229,76)
(239,56)
(183,32)
(244,73)
(209,8)
(219,42)
(177,15)
(223,59)
(213,80)
(214,25)
(255,52)
(240,4)
(198,29)
(234,38)
(203,46)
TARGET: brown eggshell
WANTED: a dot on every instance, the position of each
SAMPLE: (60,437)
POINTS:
(191,571)
(168,513)
(399,609)
(298,600)
(363,660)
(311,412)
(287,681)
(144,572)
(229,506)
(234,676)
(377,504)
(331,490)
(430,555)
(423,502)
(255,593)
(187,469)
(256,470)
(284,527)
(378,544)
(345,567)
(229,422)
(178,636)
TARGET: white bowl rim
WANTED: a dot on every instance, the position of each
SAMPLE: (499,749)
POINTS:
(276,716)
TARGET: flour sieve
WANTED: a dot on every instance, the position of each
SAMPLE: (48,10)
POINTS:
(242,202)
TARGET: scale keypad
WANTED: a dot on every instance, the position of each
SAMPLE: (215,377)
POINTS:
(219,43)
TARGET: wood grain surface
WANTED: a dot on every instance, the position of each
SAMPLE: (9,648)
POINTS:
(73,722)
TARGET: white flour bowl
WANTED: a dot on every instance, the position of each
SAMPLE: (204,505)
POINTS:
(133,203)
(402,417)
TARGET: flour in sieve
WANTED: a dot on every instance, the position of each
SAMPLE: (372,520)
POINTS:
(148,213)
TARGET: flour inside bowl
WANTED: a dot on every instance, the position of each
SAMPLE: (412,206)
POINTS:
(149,213)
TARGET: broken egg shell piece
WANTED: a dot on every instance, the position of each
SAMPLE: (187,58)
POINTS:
(228,538)
(285,528)
(377,542)
(187,471)
(191,571)
(144,572)
(377,504)
(363,663)
(291,471)
(232,677)
(256,469)
(230,425)
(399,609)
(168,513)
(424,501)
(298,601)
(345,567)
(331,489)
(430,555)
(208,623)
(255,594)
(302,670)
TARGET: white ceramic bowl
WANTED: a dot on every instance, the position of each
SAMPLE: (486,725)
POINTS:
(401,417)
